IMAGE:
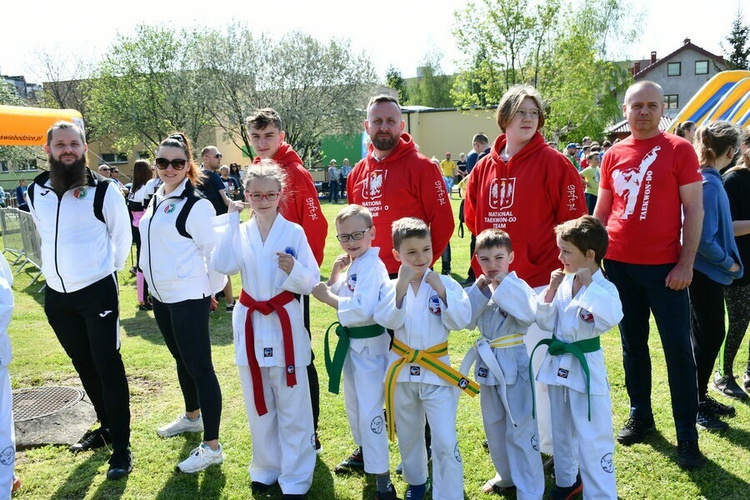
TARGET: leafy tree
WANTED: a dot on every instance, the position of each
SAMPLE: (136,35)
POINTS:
(738,54)
(431,87)
(394,80)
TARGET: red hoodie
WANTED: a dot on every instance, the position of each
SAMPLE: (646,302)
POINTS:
(299,203)
(527,197)
(403,184)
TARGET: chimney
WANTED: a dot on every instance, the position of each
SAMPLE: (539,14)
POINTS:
(686,41)
(636,67)
(653,57)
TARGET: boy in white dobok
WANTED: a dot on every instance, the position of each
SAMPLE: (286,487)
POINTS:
(363,345)
(503,307)
(578,306)
(422,307)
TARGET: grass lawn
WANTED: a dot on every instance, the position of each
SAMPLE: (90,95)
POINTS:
(643,471)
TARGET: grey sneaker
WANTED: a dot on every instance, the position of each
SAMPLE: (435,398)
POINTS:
(180,425)
(201,458)
(727,385)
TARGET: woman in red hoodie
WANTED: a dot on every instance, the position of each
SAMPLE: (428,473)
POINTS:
(525,188)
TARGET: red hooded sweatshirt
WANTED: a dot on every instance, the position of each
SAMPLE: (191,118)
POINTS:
(299,203)
(527,197)
(403,184)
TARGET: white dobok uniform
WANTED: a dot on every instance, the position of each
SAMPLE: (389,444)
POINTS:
(424,321)
(366,359)
(7,432)
(283,438)
(594,310)
(502,369)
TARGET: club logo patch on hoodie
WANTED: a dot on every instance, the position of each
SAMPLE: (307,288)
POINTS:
(502,193)
(434,305)
(80,193)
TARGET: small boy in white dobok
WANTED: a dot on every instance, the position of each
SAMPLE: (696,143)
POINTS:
(363,345)
(503,306)
(422,307)
(578,306)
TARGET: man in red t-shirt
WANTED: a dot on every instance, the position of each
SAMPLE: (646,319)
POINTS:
(299,205)
(648,181)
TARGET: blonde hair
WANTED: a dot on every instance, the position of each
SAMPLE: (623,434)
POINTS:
(265,169)
(354,210)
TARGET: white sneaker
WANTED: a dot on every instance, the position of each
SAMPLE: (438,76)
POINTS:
(200,458)
(180,425)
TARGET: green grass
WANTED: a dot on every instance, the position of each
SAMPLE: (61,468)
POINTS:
(643,471)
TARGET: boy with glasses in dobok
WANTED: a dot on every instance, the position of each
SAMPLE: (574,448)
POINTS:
(362,349)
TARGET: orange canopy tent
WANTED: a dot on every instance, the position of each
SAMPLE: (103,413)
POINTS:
(22,126)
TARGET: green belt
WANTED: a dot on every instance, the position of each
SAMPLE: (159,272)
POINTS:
(577,349)
(336,365)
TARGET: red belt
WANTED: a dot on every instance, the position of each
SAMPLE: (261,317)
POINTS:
(266,307)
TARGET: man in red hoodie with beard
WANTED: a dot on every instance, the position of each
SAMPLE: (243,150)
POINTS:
(299,205)
(394,180)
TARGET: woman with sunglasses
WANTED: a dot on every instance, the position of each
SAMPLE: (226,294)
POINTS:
(271,344)
(175,264)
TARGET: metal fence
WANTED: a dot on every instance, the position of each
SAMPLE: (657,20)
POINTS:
(21,239)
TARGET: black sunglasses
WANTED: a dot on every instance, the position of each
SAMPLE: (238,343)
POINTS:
(218,155)
(177,163)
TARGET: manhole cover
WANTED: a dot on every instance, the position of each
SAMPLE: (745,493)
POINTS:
(39,402)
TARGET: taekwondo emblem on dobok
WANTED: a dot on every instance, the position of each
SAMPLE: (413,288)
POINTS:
(372,188)
(502,192)
(630,183)
(434,305)
(351,282)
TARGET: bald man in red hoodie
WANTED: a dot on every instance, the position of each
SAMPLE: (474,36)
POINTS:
(299,205)
(394,180)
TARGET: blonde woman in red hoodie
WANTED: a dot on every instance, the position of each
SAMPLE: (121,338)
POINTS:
(525,188)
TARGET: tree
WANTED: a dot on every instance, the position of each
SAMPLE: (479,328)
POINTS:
(431,87)
(738,55)
(16,156)
(394,80)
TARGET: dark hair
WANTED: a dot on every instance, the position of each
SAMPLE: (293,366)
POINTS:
(179,140)
(683,127)
(490,238)
(141,174)
(262,118)
(408,227)
(63,125)
(714,140)
(382,98)
(480,138)
(511,102)
(585,233)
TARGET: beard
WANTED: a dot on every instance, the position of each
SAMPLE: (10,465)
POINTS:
(384,142)
(64,177)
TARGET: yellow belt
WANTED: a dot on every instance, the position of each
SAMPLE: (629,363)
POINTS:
(507,341)
(429,359)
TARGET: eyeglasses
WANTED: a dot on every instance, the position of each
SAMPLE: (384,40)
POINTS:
(356,235)
(531,113)
(260,196)
(177,163)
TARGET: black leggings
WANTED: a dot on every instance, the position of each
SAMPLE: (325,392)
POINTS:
(738,310)
(707,326)
(184,326)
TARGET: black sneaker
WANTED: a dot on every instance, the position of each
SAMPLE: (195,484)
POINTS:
(727,385)
(708,420)
(635,430)
(689,456)
(120,464)
(719,409)
(355,463)
(387,495)
(746,381)
(258,488)
(92,440)
(560,493)
(318,446)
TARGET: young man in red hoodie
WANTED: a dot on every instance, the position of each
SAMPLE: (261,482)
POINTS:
(300,205)
(394,180)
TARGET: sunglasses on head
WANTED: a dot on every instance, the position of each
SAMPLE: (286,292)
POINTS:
(177,163)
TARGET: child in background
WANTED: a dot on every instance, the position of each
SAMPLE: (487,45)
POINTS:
(578,306)
(591,176)
(422,307)
(362,350)
(8,482)
(272,347)
(503,306)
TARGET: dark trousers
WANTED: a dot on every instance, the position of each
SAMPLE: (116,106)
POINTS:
(445,259)
(707,326)
(87,325)
(738,311)
(590,202)
(312,373)
(642,291)
(472,248)
(184,326)
(333,191)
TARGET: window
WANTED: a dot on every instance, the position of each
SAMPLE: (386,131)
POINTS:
(671,101)
(115,157)
(144,155)
(701,67)
(3,166)
(674,69)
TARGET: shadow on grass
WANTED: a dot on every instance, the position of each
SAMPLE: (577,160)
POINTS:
(24,279)
(322,486)
(181,485)
(80,478)
(144,325)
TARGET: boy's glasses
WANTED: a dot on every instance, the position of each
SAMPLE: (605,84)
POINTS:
(177,163)
(356,235)
(260,196)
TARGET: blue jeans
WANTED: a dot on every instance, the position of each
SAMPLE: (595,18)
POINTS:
(642,290)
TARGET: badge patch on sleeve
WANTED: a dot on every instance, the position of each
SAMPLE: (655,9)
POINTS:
(268,352)
(482,372)
(562,373)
